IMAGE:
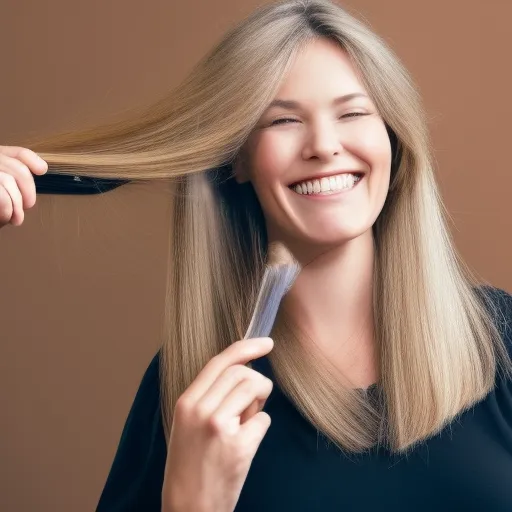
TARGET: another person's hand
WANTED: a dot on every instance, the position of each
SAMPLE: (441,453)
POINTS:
(217,428)
(17,187)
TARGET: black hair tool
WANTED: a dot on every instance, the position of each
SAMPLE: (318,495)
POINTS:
(74,185)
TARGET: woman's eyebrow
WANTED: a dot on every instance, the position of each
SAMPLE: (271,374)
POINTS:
(290,104)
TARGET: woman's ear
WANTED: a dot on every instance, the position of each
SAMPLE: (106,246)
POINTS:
(240,170)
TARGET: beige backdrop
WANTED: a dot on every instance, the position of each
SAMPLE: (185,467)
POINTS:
(83,279)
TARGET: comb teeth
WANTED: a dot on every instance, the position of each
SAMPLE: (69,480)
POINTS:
(280,273)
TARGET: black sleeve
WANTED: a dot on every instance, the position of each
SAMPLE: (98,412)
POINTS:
(136,476)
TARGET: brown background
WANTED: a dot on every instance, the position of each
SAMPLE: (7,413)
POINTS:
(83,279)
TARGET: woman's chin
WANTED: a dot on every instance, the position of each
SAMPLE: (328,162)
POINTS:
(330,239)
(334,235)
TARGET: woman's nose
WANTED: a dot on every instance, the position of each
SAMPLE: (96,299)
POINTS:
(323,141)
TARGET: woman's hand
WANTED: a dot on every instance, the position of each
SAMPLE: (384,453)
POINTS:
(217,428)
(17,187)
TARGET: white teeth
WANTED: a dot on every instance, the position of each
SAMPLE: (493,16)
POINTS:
(327,185)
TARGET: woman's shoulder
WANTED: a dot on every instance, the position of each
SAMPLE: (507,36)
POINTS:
(495,292)
(499,300)
(150,383)
(136,476)
(153,369)
(499,305)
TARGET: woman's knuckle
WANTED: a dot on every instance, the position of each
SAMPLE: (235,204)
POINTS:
(201,413)
(183,407)
(236,371)
(213,360)
(249,386)
(25,153)
(5,211)
(23,169)
(9,179)
(10,165)
(215,424)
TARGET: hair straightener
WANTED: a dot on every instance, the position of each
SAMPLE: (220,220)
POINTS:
(74,185)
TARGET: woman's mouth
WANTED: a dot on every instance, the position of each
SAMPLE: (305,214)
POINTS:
(327,186)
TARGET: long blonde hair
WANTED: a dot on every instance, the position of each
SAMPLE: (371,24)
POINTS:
(439,349)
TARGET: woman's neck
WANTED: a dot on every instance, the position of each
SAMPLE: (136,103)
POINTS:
(331,301)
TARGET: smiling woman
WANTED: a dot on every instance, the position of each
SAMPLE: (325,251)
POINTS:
(386,348)
(324,138)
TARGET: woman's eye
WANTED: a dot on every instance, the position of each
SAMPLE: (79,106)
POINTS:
(283,120)
(355,114)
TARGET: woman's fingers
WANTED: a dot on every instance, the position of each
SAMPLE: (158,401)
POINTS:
(211,447)
(17,186)
(24,180)
(8,183)
(224,385)
(32,160)
(228,415)
(6,207)
(240,352)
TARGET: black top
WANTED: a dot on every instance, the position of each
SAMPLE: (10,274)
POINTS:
(467,467)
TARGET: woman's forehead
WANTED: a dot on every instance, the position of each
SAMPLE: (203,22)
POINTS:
(325,77)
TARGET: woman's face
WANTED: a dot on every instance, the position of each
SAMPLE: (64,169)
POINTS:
(318,142)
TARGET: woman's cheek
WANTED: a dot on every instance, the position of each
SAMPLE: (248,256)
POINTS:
(375,145)
(273,157)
